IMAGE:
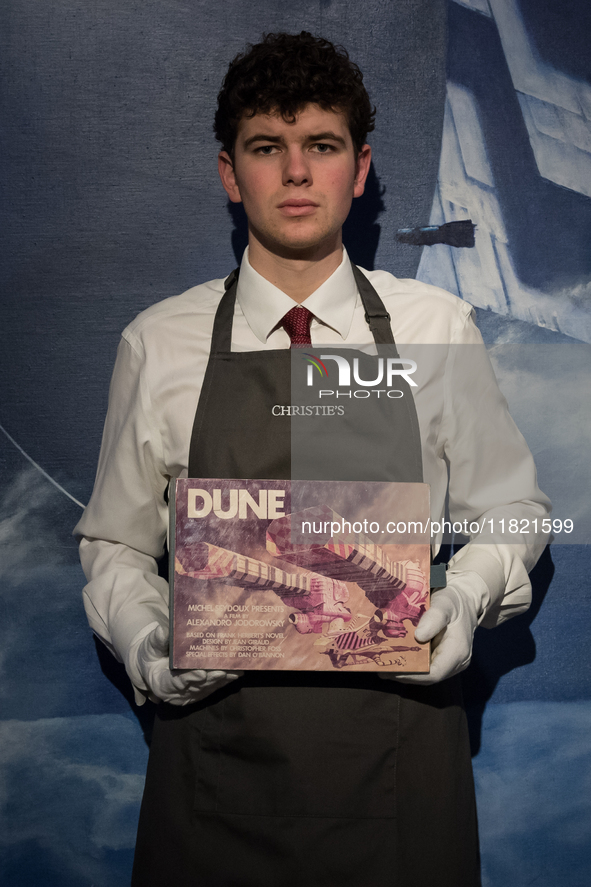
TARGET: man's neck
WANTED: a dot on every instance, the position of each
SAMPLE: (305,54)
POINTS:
(296,276)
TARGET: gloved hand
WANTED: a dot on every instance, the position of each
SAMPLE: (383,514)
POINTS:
(450,624)
(148,659)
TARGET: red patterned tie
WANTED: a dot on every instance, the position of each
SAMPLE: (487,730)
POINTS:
(296,324)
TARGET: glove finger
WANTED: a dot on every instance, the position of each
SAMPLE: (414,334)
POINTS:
(196,676)
(156,643)
(192,682)
(167,683)
(227,675)
(451,656)
(412,678)
(213,676)
(201,677)
(178,699)
(184,691)
(431,623)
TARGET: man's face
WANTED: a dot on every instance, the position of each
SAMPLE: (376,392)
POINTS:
(296,180)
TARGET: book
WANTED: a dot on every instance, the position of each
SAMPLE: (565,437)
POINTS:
(298,575)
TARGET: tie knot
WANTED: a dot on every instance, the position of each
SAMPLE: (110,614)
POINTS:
(296,324)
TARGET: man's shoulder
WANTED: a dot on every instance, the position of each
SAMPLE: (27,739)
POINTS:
(389,286)
(420,310)
(197,303)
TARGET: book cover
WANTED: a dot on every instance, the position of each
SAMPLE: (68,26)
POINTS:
(298,575)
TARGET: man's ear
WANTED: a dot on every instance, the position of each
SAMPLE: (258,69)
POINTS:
(361,170)
(228,177)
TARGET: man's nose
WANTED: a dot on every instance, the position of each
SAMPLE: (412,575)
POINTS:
(296,169)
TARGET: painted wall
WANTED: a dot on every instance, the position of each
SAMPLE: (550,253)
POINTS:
(110,202)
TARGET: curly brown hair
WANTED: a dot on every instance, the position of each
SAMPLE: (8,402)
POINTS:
(284,73)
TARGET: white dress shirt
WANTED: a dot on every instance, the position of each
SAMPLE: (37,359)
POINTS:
(161,361)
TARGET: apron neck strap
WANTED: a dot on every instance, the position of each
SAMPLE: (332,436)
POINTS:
(221,337)
(376,315)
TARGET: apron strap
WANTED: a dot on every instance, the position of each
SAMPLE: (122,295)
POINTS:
(221,337)
(376,315)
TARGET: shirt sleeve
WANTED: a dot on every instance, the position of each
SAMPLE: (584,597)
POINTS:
(492,478)
(123,529)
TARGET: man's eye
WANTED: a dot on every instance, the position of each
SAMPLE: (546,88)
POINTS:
(321,148)
(266,149)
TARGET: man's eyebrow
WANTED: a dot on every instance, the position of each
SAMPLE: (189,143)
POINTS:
(328,136)
(263,137)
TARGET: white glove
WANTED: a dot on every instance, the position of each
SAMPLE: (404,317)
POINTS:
(148,660)
(450,624)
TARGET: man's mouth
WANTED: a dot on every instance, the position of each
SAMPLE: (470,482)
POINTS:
(298,206)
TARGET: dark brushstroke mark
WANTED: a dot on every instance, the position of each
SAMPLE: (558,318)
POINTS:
(361,231)
(239,229)
(452,233)
(559,31)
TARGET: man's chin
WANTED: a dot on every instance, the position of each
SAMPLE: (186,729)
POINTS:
(301,245)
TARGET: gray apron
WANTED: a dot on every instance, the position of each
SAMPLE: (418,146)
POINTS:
(306,779)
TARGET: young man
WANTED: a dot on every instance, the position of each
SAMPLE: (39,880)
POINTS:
(268,779)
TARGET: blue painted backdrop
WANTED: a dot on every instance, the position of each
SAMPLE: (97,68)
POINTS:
(110,202)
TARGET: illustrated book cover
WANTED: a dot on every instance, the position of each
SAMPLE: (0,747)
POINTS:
(298,575)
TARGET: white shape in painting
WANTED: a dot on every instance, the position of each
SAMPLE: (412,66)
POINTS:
(556,108)
(561,142)
(485,276)
(466,190)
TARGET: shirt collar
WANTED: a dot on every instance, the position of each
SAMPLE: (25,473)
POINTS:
(263,304)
